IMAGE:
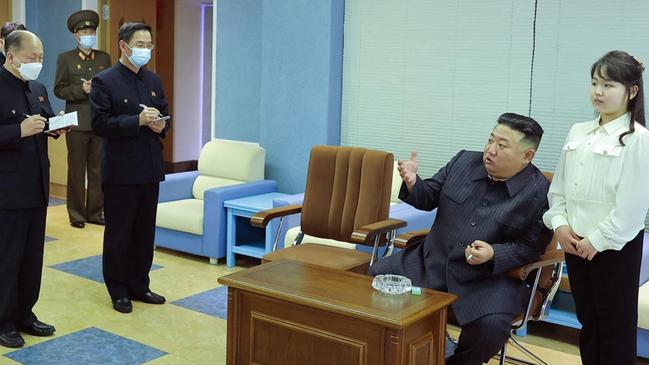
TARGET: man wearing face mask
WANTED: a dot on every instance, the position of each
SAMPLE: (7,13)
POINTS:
(24,187)
(74,72)
(7,28)
(128,106)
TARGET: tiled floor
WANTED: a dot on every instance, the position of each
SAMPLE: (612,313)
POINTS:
(88,267)
(82,347)
(89,331)
(212,302)
(189,329)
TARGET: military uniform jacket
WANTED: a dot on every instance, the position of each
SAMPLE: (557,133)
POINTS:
(132,154)
(71,67)
(24,165)
(470,206)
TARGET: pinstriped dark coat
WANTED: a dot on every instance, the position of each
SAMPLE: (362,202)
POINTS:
(471,207)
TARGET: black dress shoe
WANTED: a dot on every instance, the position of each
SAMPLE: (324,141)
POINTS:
(99,221)
(122,305)
(151,298)
(11,339)
(78,224)
(37,328)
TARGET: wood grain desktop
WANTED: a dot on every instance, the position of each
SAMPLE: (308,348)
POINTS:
(287,312)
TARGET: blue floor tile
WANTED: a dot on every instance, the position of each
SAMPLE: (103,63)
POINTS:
(89,268)
(213,302)
(55,201)
(88,347)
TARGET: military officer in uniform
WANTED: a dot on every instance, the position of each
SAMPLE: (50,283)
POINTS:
(24,187)
(74,72)
(128,106)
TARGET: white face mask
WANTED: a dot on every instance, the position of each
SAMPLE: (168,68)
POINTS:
(139,56)
(29,71)
(87,41)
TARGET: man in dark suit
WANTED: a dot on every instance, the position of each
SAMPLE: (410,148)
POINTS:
(24,187)
(128,105)
(489,209)
(6,29)
(74,72)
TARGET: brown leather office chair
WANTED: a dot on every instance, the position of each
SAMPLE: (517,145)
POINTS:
(543,285)
(347,198)
(542,278)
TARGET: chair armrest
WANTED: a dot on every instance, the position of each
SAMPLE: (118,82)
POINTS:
(547,259)
(262,218)
(214,213)
(365,235)
(405,239)
(242,190)
(177,186)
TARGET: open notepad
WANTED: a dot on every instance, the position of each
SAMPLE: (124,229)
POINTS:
(63,121)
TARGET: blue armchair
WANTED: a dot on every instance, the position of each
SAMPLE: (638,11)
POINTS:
(191,217)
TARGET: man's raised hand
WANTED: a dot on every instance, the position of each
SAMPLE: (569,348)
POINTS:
(408,170)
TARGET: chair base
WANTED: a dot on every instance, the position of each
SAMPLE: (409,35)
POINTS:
(512,360)
(323,255)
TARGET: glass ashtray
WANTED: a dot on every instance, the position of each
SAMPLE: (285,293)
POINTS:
(392,284)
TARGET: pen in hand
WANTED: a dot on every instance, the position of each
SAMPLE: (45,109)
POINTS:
(159,118)
(29,116)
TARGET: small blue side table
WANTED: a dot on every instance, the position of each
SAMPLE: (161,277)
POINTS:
(241,237)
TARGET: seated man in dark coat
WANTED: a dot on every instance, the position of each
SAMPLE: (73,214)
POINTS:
(488,221)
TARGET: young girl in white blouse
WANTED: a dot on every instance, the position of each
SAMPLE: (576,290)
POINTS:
(598,203)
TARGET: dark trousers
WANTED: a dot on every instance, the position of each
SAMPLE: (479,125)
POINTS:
(84,154)
(606,298)
(22,237)
(130,212)
(482,339)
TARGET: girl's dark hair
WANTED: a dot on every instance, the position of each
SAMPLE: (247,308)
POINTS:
(9,27)
(621,67)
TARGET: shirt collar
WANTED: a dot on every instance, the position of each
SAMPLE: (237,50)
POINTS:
(514,184)
(85,57)
(517,182)
(611,127)
(127,71)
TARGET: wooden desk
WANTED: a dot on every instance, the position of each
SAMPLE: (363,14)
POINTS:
(287,312)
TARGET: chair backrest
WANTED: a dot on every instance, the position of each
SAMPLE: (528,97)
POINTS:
(223,163)
(396,185)
(346,188)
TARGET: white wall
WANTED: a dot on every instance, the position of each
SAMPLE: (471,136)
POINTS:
(18,10)
(188,116)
